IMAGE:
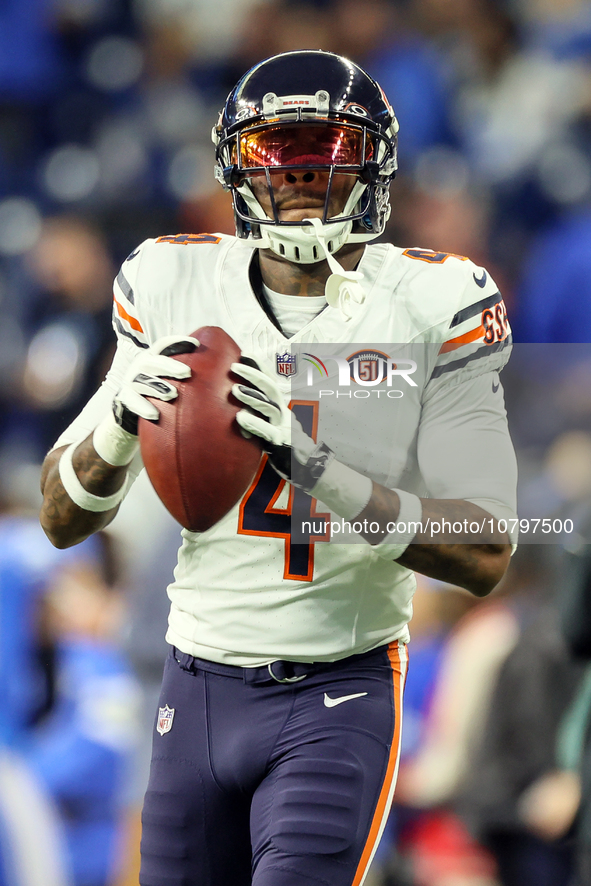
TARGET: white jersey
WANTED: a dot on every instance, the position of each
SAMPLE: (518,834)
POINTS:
(242,594)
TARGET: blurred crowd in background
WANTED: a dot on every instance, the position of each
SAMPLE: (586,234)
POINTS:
(106,109)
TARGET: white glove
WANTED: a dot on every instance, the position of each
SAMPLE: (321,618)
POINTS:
(143,378)
(115,439)
(295,456)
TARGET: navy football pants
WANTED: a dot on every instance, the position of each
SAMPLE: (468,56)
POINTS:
(270,783)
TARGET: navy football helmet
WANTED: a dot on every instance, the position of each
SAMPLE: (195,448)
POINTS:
(308,110)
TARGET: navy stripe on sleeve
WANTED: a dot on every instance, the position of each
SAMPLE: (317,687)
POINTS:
(477,308)
(125,287)
(123,331)
(483,351)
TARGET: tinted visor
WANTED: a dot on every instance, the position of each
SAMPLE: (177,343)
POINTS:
(327,144)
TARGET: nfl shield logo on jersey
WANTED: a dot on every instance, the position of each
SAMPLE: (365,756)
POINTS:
(287,364)
(165,718)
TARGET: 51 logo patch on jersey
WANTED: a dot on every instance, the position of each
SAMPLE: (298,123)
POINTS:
(369,367)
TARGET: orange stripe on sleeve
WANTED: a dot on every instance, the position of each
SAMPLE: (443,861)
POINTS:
(465,339)
(135,324)
(398,660)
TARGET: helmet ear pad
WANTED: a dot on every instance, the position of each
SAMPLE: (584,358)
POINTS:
(379,209)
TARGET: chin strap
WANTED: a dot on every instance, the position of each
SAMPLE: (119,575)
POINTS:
(343,289)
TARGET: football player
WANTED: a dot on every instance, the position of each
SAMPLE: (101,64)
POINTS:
(277,738)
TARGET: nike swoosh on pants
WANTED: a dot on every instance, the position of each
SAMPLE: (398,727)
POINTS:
(332,702)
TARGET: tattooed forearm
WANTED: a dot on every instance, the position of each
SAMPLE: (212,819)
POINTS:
(476,567)
(95,474)
(444,548)
(64,522)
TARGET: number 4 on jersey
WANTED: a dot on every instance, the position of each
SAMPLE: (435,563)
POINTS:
(259,514)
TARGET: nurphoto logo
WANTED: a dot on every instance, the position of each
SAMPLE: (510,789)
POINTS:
(367,368)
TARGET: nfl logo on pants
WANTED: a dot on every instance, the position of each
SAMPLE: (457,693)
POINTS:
(165,718)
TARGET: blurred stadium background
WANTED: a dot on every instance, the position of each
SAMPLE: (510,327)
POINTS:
(106,108)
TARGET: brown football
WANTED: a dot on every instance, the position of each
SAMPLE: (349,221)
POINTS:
(196,458)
